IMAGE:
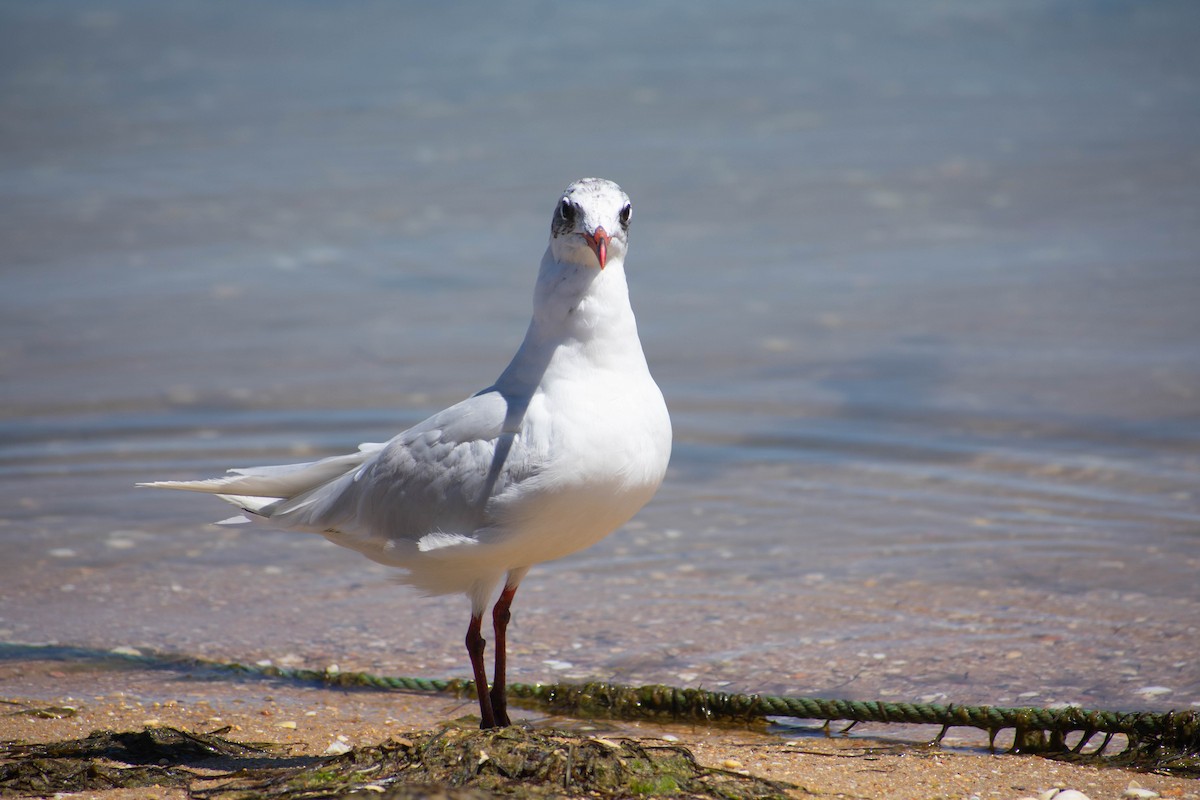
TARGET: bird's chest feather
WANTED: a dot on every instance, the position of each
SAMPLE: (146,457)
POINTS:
(600,430)
(600,453)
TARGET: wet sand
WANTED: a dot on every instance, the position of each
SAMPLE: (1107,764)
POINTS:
(311,720)
(919,285)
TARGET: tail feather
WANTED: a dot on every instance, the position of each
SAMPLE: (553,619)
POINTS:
(253,488)
(252,505)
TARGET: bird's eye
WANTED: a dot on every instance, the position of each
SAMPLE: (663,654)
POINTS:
(625,215)
(566,211)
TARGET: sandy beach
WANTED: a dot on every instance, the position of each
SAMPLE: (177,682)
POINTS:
(312,721)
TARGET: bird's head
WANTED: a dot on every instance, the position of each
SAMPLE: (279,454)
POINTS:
(590,226)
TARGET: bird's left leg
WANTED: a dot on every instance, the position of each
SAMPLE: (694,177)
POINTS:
(501,614)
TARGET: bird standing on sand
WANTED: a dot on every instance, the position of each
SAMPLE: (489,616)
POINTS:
(566,446)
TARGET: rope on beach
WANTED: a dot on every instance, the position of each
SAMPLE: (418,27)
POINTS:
(1167,741)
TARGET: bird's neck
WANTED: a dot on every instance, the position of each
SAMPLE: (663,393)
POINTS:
(581,313)
(579,300)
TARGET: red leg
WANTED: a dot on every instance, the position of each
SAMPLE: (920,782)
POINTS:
(500,617)
(475,646)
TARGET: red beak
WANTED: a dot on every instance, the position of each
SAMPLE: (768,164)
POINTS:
(598,241)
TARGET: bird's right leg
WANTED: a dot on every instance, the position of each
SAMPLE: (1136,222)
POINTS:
(475,646)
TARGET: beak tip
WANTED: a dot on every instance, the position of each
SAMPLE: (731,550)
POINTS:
(598,241)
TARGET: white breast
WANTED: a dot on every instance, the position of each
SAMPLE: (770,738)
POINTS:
(605,443)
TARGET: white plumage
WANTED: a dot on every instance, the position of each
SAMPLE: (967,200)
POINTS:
(567,445)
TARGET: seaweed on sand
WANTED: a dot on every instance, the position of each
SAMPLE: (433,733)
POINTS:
(113,759)
(451,762)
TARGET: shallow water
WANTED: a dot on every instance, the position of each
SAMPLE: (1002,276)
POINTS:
(919,284)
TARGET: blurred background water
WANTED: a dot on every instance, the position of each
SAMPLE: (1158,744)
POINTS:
(920,283)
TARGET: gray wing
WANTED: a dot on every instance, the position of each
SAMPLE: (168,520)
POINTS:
(436,477)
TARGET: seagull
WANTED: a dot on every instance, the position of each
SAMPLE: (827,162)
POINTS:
(566,446)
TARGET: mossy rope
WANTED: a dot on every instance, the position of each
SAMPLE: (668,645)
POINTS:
(1037,729)
(1172,735)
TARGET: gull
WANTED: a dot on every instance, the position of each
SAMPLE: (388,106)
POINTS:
(566,446)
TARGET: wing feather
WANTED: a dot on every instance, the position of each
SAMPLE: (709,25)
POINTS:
(433,482)
(433,478)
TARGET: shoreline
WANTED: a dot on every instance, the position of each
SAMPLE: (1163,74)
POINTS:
(314,721)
